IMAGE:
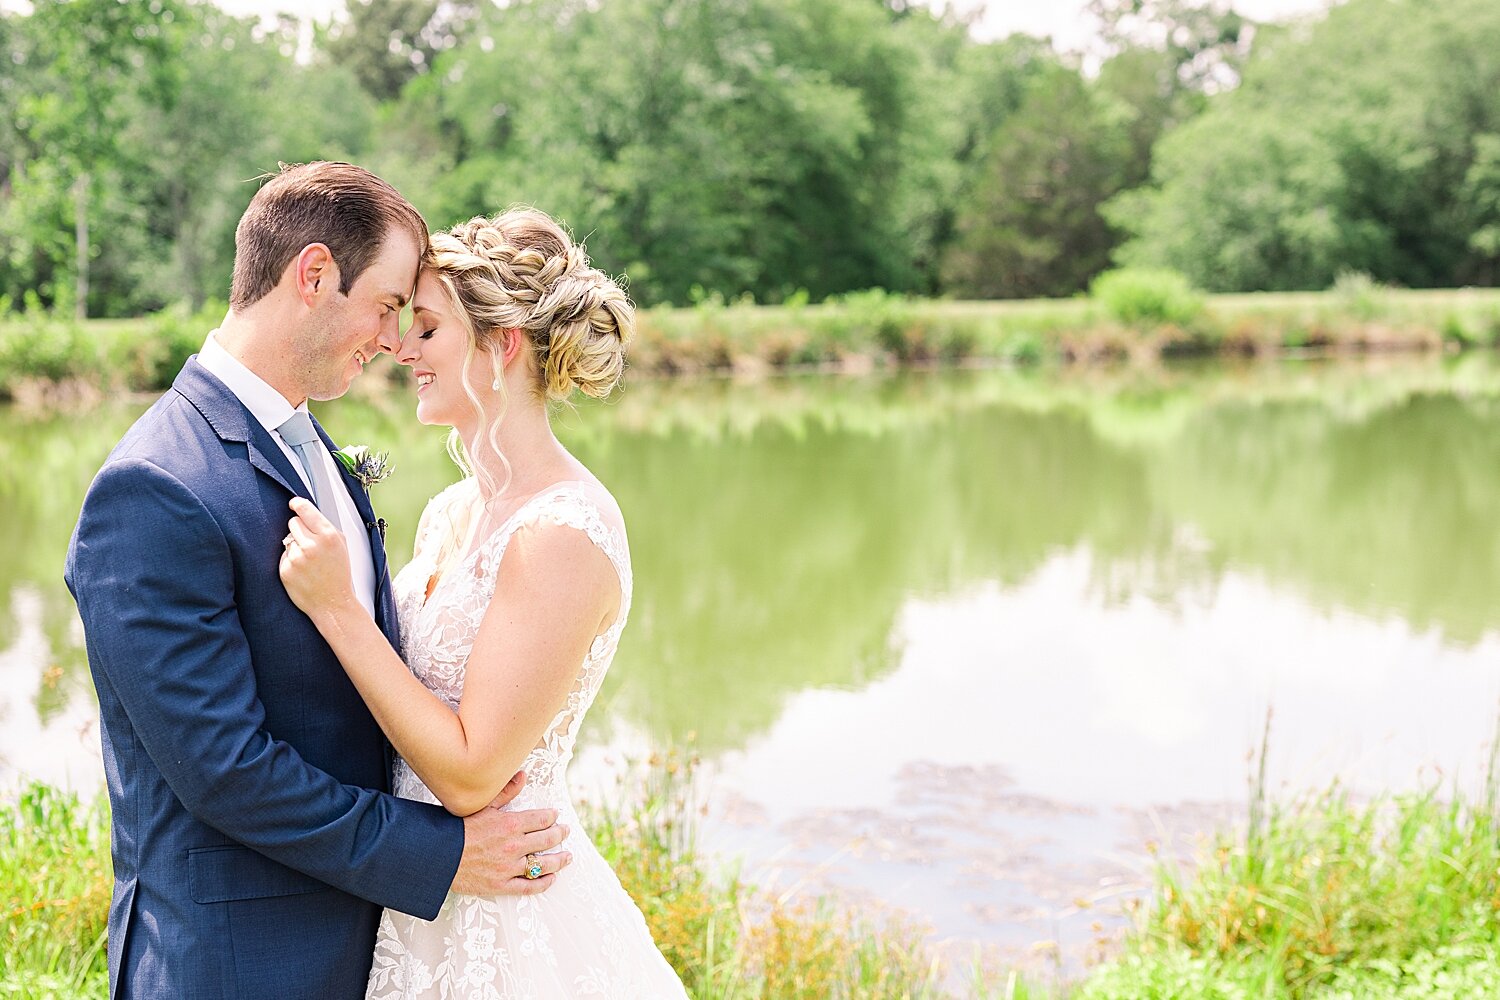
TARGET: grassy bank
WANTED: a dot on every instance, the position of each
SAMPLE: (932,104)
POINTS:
(1321,898)
(726,940)
(42,355)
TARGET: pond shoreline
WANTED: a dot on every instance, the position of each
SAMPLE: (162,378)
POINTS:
(48,360)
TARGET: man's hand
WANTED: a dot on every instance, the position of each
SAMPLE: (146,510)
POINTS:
(496,844)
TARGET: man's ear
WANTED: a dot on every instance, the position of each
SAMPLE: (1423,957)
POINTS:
(314,273)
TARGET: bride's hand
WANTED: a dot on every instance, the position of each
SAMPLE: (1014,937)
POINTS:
(315,562)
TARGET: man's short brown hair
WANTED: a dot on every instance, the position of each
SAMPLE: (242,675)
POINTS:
(344,207)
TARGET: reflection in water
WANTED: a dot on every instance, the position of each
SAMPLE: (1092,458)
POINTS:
(1033,738)
(973,635)
(49,725)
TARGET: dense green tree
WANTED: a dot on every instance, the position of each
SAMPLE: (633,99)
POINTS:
(1355,143)
(1204,43)
(766,146)
(1030,223)
(80,70)
(169,132)
(724,145)
(387,42)
(1028,220)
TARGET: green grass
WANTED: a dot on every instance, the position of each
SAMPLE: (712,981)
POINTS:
(54,895)
(1135,322)
(1321,897)
(726,940)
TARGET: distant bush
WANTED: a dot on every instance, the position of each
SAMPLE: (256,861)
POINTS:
(151,358)
(142,354)
(1359,295)
(1139,296)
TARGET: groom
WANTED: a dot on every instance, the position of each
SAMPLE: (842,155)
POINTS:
(254,841)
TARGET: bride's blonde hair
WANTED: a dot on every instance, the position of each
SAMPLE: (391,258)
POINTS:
(521,270)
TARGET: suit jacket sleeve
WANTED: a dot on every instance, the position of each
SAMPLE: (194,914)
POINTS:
(153,577)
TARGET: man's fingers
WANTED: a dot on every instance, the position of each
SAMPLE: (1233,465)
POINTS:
(529,886)
(543,840)
(553,863)
(532,820)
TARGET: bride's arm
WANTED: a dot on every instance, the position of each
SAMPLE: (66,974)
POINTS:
(554,592)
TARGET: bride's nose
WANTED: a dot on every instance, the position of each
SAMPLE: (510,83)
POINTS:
(406,351)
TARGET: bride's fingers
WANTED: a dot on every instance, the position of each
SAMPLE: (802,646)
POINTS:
(510,791)
(299,532)
(308,512)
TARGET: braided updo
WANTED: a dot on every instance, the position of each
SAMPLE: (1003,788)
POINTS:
(521,269)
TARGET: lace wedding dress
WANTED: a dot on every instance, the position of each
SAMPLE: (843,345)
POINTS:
(583,936)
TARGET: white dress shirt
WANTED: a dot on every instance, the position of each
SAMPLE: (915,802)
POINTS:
(272,410)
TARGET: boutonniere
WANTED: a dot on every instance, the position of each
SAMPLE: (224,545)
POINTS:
(369,467)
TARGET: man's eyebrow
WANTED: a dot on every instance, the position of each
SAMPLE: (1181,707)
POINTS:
(401,298)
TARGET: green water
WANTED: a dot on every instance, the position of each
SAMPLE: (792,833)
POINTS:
(1078,589)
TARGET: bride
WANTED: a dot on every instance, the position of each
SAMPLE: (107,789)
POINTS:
(510,611)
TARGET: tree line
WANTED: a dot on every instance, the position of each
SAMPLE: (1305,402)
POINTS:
(780,149)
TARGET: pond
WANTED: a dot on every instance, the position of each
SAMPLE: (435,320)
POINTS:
(973,646)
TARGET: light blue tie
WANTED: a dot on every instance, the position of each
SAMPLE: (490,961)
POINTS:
(298,432)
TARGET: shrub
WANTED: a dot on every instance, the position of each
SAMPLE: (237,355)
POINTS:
(1359,295)
(1139,296)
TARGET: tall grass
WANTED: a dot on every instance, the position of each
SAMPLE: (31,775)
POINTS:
(1326,897)
(55,886)
(1320,897)
(726,939)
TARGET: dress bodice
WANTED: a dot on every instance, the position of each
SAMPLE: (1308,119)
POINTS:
(438,629)
(584,936)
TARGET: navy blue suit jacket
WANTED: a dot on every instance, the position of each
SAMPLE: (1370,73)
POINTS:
(253,840)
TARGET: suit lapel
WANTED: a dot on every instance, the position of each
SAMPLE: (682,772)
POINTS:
(385,610)
(232,422)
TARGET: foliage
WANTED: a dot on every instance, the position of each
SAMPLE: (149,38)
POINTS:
(143,355)
(388,42)
(1030,224)
(1357,142)
(750,145)
(1136,296)
(768,147)
(55,886)
(182,106)
(1321,897)
(42,351)
(723,938)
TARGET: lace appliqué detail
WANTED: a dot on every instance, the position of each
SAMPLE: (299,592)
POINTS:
(584,936)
